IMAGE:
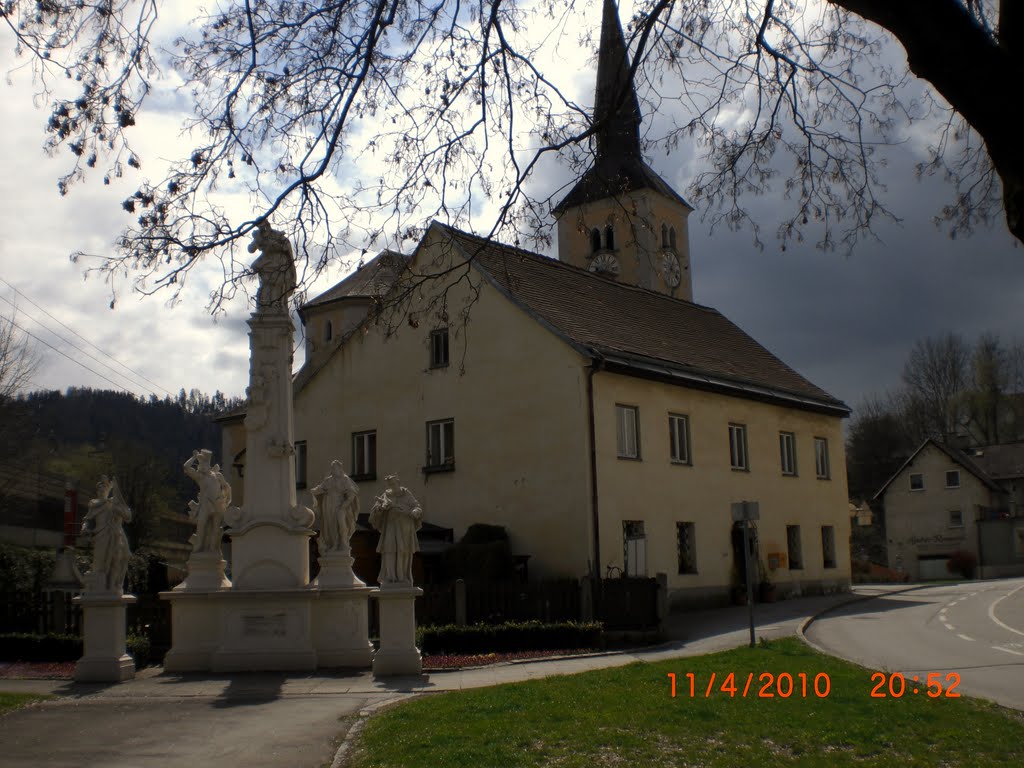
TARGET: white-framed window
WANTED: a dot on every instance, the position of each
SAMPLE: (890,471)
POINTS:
(916,481)
(300,463)
(439,348)
(679,438)
(364,455)
(627,431)
(787,452)
(634,548)
(828,546)
(795,553)
(953,478)
(956,518)
(686,545)
(821,465)
(440,444)
(738,446)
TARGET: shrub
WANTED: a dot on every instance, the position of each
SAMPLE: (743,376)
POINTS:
(509,637)
(24,646)
(963,563)
(139,647)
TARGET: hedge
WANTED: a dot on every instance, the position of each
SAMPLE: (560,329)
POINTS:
(508,637)
(23,646)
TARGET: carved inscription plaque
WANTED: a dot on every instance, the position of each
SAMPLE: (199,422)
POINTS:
(265,625)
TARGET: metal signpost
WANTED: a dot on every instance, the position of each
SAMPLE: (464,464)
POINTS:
(746,512)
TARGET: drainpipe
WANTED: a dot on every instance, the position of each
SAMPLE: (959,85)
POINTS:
(595,366)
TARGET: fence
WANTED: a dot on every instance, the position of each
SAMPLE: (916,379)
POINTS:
(39,612)
(630,603)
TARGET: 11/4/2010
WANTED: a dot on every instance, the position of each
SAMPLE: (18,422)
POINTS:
(769,685)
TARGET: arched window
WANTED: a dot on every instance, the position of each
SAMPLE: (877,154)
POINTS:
(664,235)
(595,240)
(609,237)
(328,331)
(672,237)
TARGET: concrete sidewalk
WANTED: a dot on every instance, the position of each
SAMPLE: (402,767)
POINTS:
(272,719)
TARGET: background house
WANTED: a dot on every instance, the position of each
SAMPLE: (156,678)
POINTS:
(945,500)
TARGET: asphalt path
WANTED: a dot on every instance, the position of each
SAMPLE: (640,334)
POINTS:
(972,632)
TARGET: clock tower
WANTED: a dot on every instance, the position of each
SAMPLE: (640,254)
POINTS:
(621,219)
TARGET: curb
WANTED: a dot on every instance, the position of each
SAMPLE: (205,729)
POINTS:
(362,717)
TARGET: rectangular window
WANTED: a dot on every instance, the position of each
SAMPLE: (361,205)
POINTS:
(440,445)
(738,446)
(439,348)
(787,450)
(821,465)
(796,558)
(917,481)
(679,438)
(300,463)
(364,455)
(956,518)
(953,478)
(634,542)
(828,545)
(627,437)
(686,545)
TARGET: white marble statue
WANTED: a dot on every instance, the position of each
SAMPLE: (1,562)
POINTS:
(214,498)
(397,515)
(104,522)
(275,266)
(337,499)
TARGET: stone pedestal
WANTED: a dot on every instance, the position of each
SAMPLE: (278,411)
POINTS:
(205,572)
(104,658)
(336,571)
(341,628)
(398,654)
(270,555)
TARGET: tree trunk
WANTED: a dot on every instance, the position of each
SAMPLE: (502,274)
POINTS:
(977,74)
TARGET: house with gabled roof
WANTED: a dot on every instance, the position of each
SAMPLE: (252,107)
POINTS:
(585,403)
(944,500)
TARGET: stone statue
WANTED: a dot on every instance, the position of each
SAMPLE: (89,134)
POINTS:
(275,266)
(337,499)
(214,498)
(397,515)
(107,513)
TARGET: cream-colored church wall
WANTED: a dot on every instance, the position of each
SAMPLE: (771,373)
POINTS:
(519,407)
(661,493)
(917,523)
(637,218)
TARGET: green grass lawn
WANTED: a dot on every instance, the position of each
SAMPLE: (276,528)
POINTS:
(12,701)
(626,717)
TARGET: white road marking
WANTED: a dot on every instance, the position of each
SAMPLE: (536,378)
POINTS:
(1006,650)
(992,613)
(948,626)
(965,637)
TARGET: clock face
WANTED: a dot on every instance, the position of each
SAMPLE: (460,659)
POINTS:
(668,267)
(605,264)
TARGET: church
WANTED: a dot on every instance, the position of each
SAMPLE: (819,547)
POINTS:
(585,403)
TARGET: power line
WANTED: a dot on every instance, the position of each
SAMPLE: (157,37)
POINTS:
(76,347)
(103,352)
(61,352)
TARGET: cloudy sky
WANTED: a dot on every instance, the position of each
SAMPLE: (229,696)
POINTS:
(845,322)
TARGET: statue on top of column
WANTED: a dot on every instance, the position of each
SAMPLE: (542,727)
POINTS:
(104,522)
(275,267)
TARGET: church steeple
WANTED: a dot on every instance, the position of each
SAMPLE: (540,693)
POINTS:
(621,219)
(616,107)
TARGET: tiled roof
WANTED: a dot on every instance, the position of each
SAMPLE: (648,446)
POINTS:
(1001,462)
(958,457)
(373,278)
(643,331)
(616,177)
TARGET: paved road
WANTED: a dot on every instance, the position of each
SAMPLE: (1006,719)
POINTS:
(974,629)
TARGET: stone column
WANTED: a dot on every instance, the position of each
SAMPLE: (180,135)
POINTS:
(398,654)
(104,656)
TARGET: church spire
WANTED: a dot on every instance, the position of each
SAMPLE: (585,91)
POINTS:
(616,108)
